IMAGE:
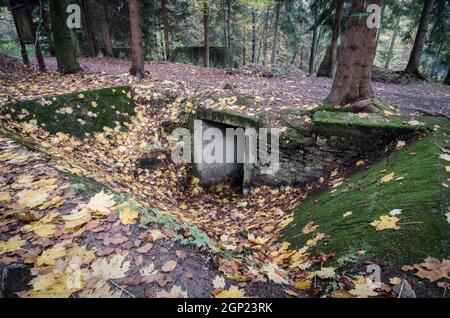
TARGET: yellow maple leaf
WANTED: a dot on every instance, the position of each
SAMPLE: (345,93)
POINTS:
(53,285)
(40,229)
(395,280)
(115,268)
(101,203)
(76,219)
(32,199)
(51,255)
(303,284)
(156,235)
(363,291)
(388,177)
(386,222)
(5,197)
(324,273)
(101,290)
(11,245)
(128,216)
(232,292)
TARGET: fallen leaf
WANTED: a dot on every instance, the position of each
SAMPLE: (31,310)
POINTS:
(232,292)
(169,266)
(386,222)
(51,255)
(219,282)
(388,177)
(115,268)
(101,203)
(128,216)
(11,245)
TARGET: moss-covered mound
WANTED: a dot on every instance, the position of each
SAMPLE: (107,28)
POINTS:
(418,188)
(77,113)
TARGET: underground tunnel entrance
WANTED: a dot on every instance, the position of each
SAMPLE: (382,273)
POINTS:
(220,149)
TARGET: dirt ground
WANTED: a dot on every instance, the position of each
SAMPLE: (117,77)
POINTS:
(287,91)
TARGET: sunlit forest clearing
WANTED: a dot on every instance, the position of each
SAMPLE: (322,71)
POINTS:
(224,149)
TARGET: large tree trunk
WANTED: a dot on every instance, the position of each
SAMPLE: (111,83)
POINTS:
(48,33)
(276,36)
(390,53)
(90,31)
(206,32)
(447,79)
(266,36)
(165,21)
(335,37)
(137,44)
(64,49)
(352,82)
(416,53)
(107,39)
(253,36)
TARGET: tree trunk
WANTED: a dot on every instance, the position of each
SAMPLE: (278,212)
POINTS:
(64,49)
(48,33)
(266,36)
(352,82)
(313,51)
(416,53)
(254,36)
(276,37)
(90,31)
(137,45)
(227,30)
(335,37)
(312,54)
(206,33)
(107,39)
(390,54)
(165,21)
(447,79)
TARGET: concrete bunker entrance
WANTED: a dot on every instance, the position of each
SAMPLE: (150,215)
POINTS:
(223,140)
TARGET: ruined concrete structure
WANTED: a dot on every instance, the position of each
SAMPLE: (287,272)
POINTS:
(307,153)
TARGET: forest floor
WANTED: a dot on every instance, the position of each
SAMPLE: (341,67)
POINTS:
(282,91)
(49,213)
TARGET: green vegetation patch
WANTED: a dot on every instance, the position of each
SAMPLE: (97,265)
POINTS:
(229,118)
(417,189)
(77,113)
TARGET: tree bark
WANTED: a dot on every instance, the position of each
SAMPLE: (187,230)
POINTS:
(107,39)
(206,32)
(390,54)
(48,33)
(335,37)
(312,54)
(276,36)
(447,79)
(352,83)
(253,36)
(266,36)
(90,31)
(137,45)
(416,53)
(64,49)
(165,20)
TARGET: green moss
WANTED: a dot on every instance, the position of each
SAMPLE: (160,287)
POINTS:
(229,118)
(424,230)
(112,106)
